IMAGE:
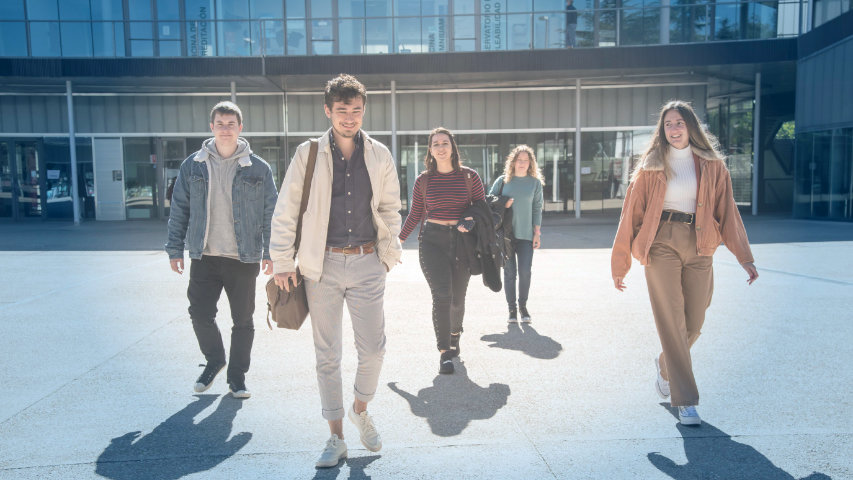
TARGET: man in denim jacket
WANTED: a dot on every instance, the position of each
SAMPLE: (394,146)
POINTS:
(222,204)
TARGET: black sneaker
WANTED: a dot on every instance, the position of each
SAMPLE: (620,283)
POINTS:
(513,315)
(238,389)
(445,365)
(205,380)
(454,344)
(525,317)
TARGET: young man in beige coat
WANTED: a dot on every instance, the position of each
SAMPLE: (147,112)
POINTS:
(349,243)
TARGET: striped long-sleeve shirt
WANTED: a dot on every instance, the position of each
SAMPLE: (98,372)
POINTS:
(446,198)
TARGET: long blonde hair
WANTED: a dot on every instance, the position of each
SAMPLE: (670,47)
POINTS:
(532,168)
(658,149)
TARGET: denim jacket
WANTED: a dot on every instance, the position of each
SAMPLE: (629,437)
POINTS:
(254,197)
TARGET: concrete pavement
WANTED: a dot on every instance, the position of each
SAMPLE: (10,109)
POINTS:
(99,359)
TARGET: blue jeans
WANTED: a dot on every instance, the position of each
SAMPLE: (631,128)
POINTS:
(523,258)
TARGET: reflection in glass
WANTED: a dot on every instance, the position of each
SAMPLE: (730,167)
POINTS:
(321,36)
(351,36)
(142,30)
(235,39)
(266,9)
(107,10)
(518,32)
(12,10)
(142,48)
(42,10)
(76,39)
(108,39)
(139,10)
(168,10)
(200,29)
(408,33)
(272,34)
(44,39)
(321,8)
(74,10)
(170,48)
(434,31)
(296,44)
(13,37)
(295,8)
(232,9)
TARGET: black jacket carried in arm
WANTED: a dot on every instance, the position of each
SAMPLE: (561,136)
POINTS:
(503,222)
(480,249)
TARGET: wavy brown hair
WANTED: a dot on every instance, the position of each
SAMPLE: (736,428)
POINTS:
(532,169)
(429,161)
(659,146)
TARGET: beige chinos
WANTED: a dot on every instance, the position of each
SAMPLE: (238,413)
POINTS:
(360,280)
(680,283)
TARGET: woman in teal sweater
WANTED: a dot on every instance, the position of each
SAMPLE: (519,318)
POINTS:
(522,182)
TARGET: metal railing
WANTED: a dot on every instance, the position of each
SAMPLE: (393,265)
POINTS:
(603,27)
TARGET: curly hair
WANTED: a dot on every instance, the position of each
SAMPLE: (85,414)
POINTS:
(532,168)
(344,88)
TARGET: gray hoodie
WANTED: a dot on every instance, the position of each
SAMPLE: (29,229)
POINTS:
(221,241)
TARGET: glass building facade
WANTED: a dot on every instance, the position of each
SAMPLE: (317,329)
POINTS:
(227,28)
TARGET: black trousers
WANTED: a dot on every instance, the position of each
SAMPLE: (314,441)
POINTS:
(448,281)
(208,277)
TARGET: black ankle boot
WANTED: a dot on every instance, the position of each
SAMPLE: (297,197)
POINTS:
(513,315)
(445,364)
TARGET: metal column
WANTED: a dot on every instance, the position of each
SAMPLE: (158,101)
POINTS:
(233,92)
(394,122)
(72,143)
(578,148)
(756,142)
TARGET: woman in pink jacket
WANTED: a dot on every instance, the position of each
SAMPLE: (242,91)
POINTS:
(678,209)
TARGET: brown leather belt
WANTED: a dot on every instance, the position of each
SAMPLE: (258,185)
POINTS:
(359,250)
(680,217)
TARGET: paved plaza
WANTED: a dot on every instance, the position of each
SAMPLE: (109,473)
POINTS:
(99,360)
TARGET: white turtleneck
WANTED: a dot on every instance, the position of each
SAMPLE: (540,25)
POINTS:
(681,188)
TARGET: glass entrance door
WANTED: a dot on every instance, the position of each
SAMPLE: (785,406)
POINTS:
(173,152)
(6,197)
(27,180)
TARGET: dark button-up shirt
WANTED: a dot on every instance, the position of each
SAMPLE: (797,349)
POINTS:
(350,216)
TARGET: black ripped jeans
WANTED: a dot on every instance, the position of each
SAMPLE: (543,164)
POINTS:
(448,281)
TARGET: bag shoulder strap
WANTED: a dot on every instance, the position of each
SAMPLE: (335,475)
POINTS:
(306,190)
(503,182)
(469,183)
(426,178)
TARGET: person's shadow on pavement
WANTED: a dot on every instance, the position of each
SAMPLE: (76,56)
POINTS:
(453,401)
(356,468)
(711,453)
(176,447)
(526,340)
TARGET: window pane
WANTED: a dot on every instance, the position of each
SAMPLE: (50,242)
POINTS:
(170,48)
(463,27)
(232,9)
(74,10)
(141,30)
(351,35)
(104,35)
(519,6)
(140,9)
(295,9)
(408,35)
(142,48)
(296,37)
(234,39)
(378,8)
(463,7)
(463,45)
(518,32)
(435,34)
(13,40)
(169,30)
(408,7)
(44,39)
(168,10)
(434,7)
(272,33)
(12,10)
(321,8)
(378,32)
(726,22)
(266,9)
(42,10)
(76,39)
(321,30)
(350,8)
(552,5)
(107,10)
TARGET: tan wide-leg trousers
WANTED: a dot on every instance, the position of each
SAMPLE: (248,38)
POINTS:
(681,283)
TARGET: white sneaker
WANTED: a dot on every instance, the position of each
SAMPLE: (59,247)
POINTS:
(661,385)
(369,437)
(689,416)
(335,450)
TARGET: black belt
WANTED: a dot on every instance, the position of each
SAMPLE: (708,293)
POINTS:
(680,217)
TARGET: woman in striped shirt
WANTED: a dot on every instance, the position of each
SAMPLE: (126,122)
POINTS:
(440,196)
